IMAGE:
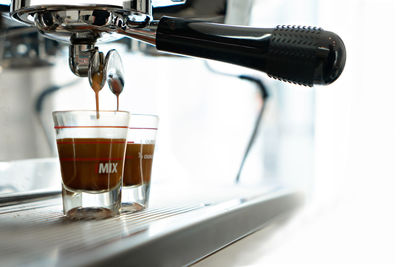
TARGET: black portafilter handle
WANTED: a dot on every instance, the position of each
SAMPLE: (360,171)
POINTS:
(301,55)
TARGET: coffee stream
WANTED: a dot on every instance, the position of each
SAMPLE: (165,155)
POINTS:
(116,86)
(138,157)
(109,68)
(97,85)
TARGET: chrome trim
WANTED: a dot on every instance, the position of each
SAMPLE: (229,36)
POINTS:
(79,58)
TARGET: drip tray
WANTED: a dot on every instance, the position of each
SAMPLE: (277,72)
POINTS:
(173,231)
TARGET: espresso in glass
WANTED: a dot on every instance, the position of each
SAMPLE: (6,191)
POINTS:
(91,149)
(91,164)
(138,161)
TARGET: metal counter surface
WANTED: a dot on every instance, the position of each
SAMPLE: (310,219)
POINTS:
(173,231)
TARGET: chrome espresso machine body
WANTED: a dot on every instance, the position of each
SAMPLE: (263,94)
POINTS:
(195,195)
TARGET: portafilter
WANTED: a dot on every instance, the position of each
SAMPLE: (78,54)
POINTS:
(301,55)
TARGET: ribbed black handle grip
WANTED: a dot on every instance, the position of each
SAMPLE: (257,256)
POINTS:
(305,55)
(300,55)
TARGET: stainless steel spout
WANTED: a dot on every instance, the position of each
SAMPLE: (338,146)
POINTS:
(79,58)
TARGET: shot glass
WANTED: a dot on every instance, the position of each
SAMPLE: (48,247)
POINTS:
(92,155)
(138,161)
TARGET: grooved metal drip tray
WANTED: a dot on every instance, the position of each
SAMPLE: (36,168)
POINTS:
(183,223)
(171,232)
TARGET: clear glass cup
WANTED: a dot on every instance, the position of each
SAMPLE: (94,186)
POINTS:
(138,161)
(92,154)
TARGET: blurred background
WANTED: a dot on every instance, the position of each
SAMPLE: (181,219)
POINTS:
(337,143)
(353,215)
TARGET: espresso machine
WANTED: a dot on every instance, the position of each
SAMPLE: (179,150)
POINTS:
(72,31)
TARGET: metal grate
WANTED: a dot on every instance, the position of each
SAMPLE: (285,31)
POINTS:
(35,232)
(41,232)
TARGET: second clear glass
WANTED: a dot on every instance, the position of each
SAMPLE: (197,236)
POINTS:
(138,161)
